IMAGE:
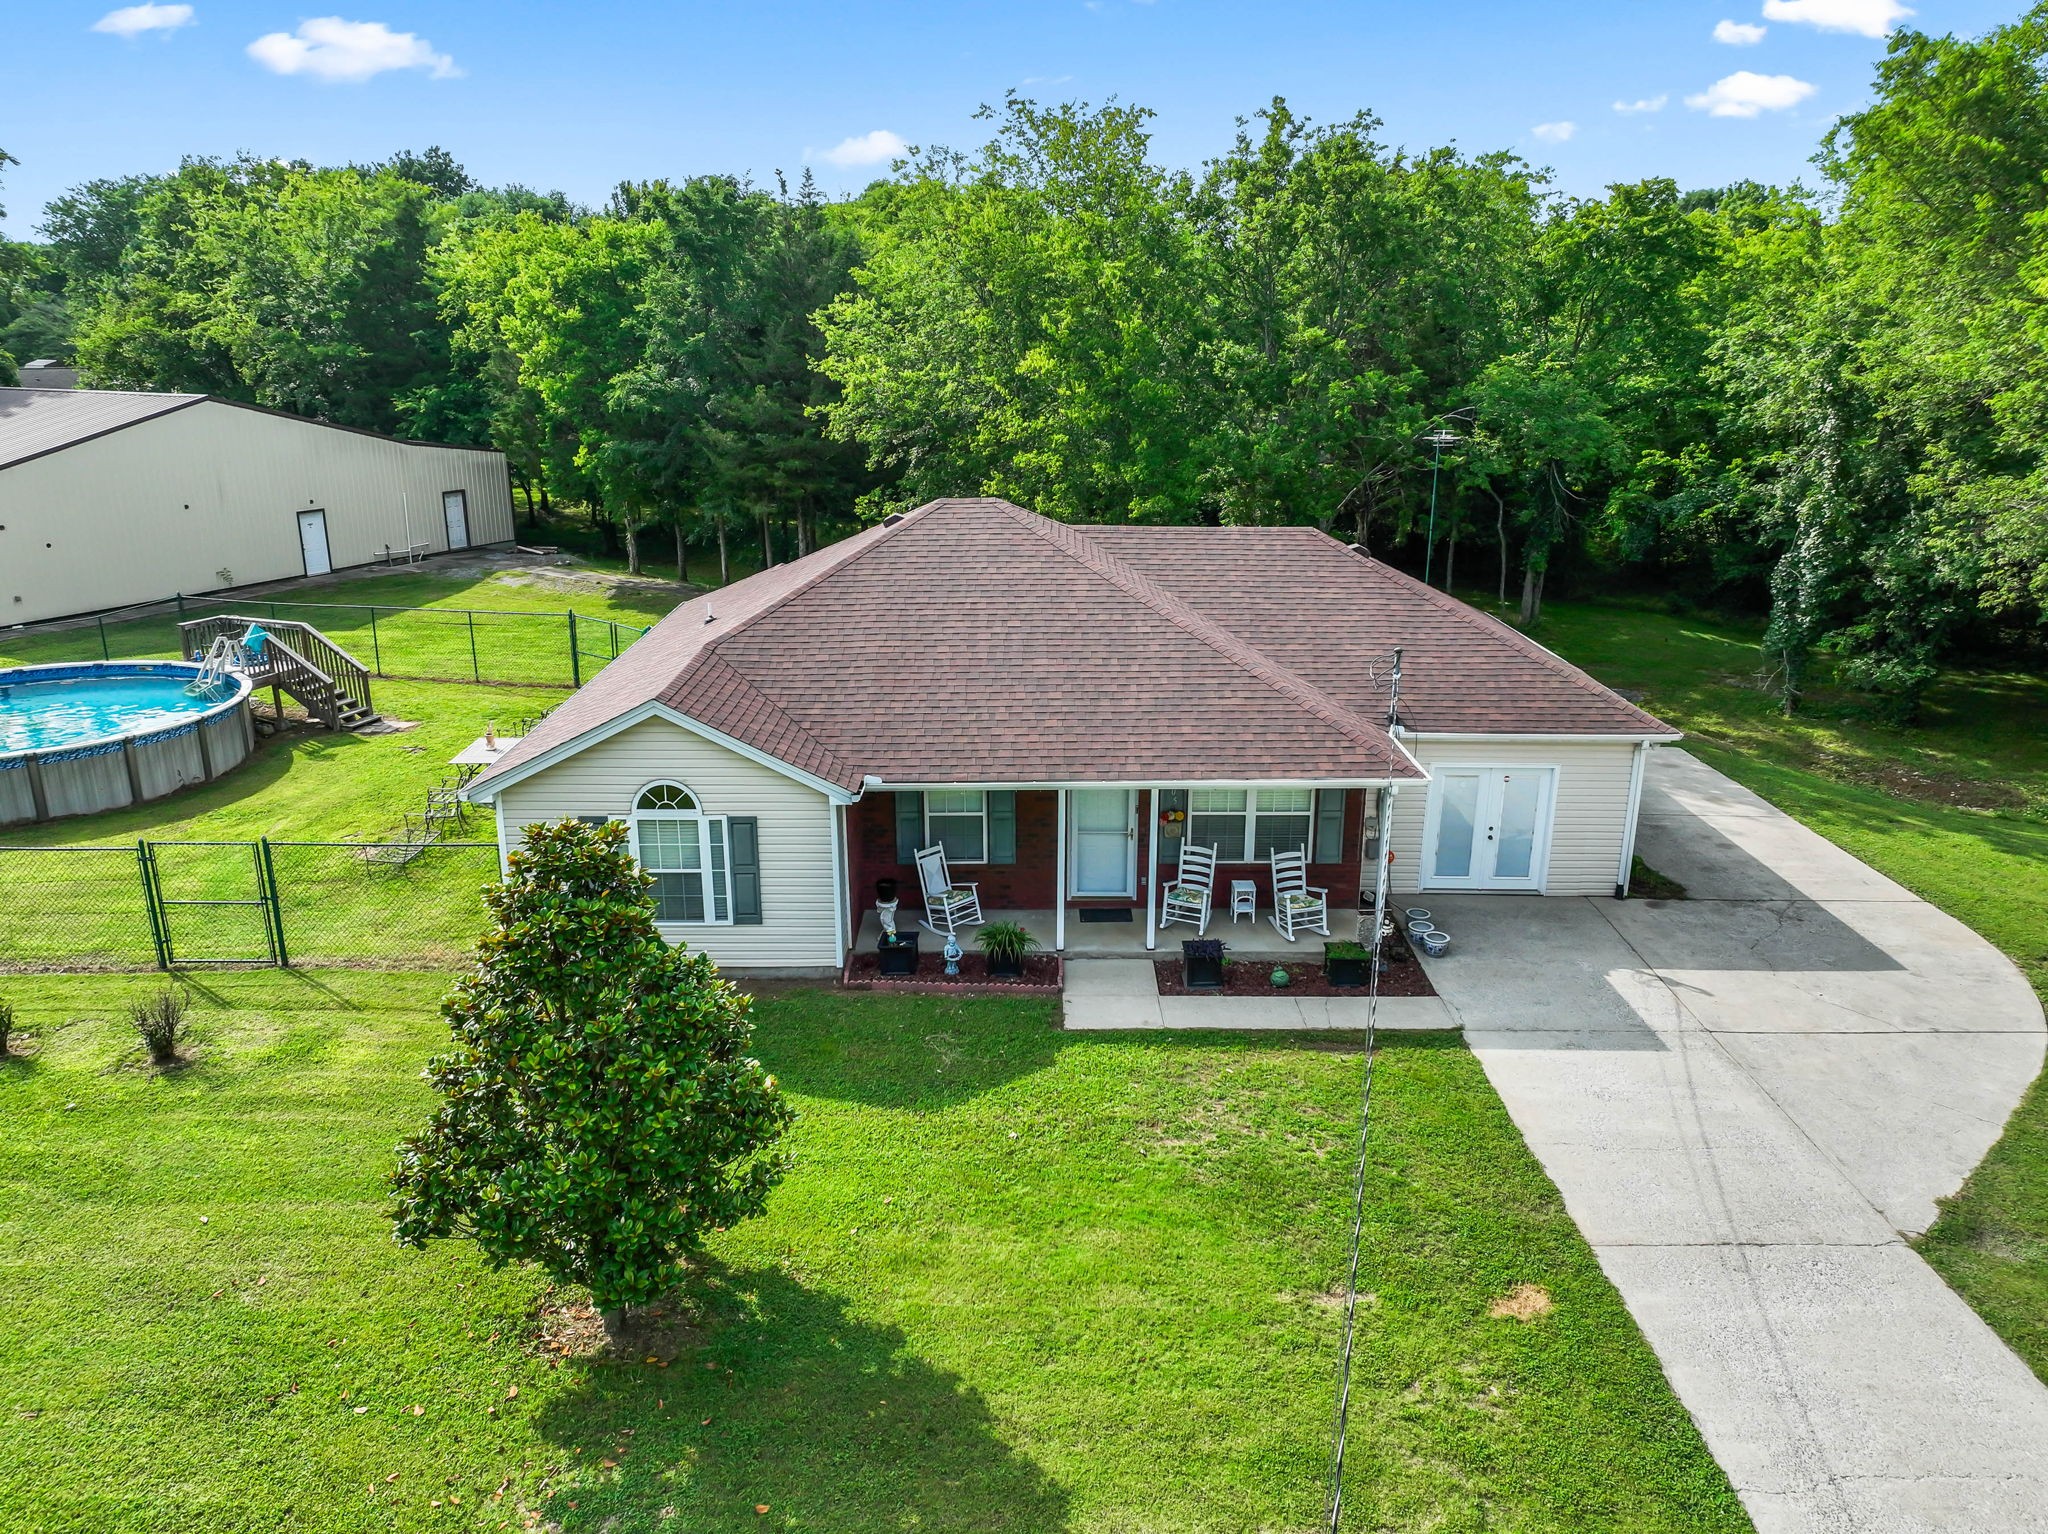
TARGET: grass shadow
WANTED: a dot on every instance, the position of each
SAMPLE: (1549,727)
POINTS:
(793,1404)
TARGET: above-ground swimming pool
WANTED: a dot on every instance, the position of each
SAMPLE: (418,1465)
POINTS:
(98,735)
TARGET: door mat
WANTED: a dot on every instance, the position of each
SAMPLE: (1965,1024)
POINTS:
(1123,915)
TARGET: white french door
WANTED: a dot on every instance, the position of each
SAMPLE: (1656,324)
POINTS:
(1488,828)
(1102,861)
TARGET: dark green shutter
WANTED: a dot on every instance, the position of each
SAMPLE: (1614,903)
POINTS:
(743,847)
(1002,826)
(909,826)
(1330,825)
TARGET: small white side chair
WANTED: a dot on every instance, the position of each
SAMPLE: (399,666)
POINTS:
(1296,906)
(1193,889)
(947,906)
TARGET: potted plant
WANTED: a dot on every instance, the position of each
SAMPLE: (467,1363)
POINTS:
(898,954)
(1004,944)
(1201,964)
(1346,963)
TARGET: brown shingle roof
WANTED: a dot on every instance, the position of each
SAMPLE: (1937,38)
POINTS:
(972,641)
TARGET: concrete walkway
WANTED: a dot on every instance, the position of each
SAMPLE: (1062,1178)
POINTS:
(1746,1098)
(1121,993)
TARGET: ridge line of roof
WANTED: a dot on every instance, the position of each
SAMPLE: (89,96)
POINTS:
(1183,614)
(1500,628)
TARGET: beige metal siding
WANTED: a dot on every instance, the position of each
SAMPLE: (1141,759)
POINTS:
(209,496)
(1588,815)
(798,916)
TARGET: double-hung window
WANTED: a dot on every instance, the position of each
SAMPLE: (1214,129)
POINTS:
(957,820)
(1247,825)
(685,851)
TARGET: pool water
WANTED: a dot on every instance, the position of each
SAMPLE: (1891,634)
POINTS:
(37,716)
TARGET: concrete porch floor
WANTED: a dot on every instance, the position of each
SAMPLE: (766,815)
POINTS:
(1257,939)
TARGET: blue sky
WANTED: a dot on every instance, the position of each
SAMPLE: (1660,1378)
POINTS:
(581,96)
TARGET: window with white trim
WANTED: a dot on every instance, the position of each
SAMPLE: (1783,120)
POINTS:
(685,852)
(1249,825)
(957,820)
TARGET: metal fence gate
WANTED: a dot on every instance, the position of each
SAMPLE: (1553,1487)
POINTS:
(210,902)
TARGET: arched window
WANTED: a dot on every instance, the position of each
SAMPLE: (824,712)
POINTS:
(685,851)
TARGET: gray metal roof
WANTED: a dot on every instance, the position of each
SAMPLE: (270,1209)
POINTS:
(38,421)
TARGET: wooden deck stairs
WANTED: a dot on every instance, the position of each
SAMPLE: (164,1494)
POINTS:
(298,660)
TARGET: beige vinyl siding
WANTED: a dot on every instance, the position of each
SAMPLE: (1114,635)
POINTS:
(1588,815)
(798,916)
(208,497)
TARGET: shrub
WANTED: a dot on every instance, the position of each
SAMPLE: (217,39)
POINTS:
(1005,940)
(161,1022)
(1343,948)
(1202,948)
(6,1024)
(599,1114)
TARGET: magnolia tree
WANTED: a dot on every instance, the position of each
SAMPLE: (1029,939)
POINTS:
(599,1114)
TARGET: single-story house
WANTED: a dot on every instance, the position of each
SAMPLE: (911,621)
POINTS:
(1059,707)
(110,497)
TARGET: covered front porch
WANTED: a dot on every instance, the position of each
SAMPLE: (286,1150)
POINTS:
(1085,870)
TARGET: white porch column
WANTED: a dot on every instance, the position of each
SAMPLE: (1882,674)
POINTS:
(1151,869)
(1059,875)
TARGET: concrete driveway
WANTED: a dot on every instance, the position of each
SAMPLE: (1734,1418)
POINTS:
(1747,1099)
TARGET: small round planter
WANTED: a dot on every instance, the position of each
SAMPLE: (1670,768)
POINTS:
(1416,913)
(1435,942)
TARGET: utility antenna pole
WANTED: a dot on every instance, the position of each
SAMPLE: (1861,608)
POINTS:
(1438,440)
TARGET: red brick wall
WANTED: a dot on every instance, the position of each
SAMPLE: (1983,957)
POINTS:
(1031,883)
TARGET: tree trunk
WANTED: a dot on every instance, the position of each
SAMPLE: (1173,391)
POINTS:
(724,564)
(631,532)
(1500,527)
(767,542)
(1532,593)
(682,553)
(1451,562)
(547,507)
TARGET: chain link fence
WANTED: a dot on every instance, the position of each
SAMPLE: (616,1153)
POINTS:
(444,644)
(176,905)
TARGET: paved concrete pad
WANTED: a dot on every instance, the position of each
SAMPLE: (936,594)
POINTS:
(1745,1099)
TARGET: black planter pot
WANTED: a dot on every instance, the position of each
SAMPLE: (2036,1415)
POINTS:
(885,891)
(899,957)
(1352,971)
(1005,969)
(1200,971)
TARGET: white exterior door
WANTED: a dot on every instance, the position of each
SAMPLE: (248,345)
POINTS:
(455,512)
(1103,858)
(313,542)
(1488,828)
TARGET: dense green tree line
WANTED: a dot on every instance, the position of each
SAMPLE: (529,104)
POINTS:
(1828,405)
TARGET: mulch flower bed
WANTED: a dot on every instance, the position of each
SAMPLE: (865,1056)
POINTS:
(1043,976)
(1254,977)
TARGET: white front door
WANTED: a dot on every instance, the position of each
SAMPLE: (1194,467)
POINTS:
(1489,828)
(313,542)
(1103,858)
(455,512)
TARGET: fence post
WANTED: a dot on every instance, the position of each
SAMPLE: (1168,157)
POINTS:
(181,607)
(475,672)
(376,650)
(152,903)
(267,871)
(102,622)
(615,639)
(575,660)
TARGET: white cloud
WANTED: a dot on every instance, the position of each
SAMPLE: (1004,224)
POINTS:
(328,48)
(1744,94)
(1869,18)
(134,20)
(1555,133)
(1739,34)
(868,149)
(1654,103)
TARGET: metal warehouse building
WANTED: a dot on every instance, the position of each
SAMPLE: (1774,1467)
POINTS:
(109,498)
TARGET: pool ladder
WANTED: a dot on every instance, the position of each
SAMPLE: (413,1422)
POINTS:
(222,657)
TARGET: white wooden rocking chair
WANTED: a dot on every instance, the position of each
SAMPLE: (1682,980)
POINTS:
(1193,889)
(947,906)
(1295,903)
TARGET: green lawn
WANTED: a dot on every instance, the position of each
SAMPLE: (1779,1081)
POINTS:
(1019,1280)
(1955,809)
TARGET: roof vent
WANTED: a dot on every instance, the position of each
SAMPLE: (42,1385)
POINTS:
(1359,548)
(892,519)
(710,616)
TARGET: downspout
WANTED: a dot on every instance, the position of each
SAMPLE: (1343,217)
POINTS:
(1625,870)
(842,913)
(1059,874)
(1152,871)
